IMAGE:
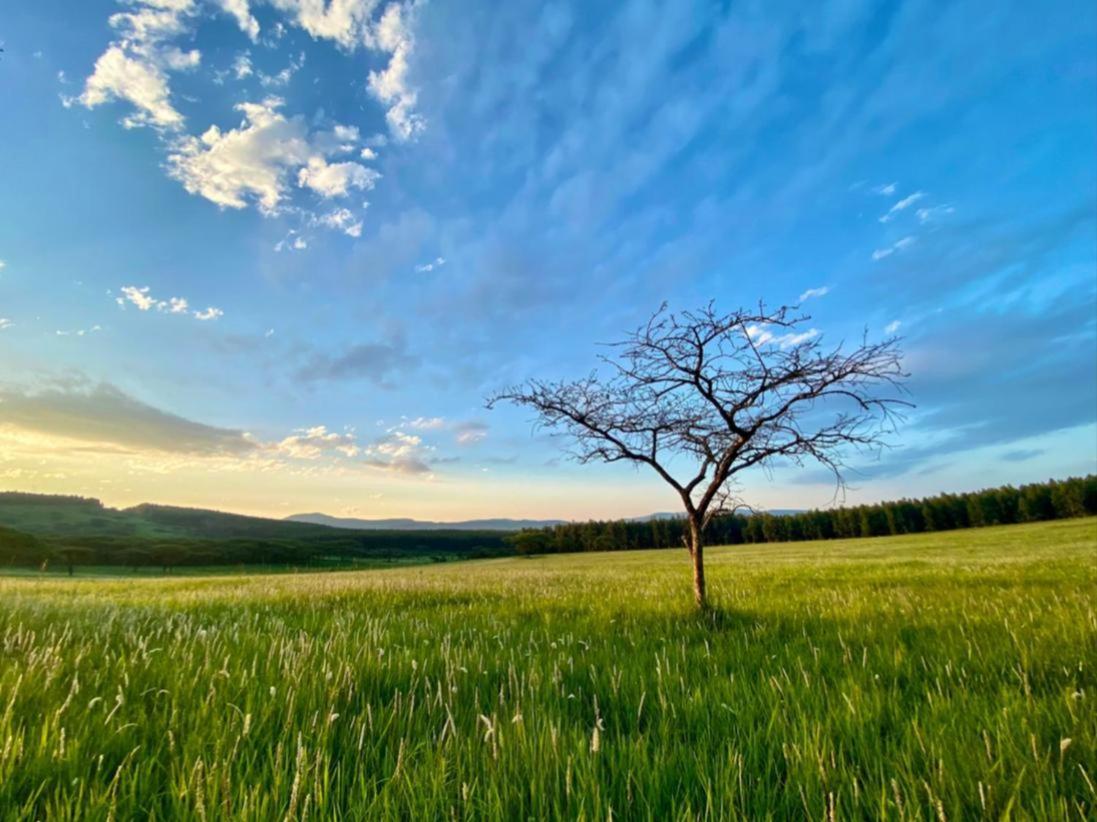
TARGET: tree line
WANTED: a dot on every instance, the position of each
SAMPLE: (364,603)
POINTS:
(1006,505)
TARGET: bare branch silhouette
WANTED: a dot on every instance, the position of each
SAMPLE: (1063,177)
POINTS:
(723,393)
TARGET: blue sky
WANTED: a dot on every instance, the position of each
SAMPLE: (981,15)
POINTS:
(271,256)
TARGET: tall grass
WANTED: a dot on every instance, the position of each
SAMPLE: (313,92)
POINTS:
(943,676)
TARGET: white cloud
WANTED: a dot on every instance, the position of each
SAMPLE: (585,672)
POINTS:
(138,296)
(427,423)
(813,293)
(343,21)
(252,163)
(885,190)
(118,75)
(241,66)
(312,443)
(789,340)
(349,134)
(887,251)
(5,323)
(902,205)
(335,179)
(892,327)
(391,86)
(438,262)
(144,301)
(342,139)
(283,77)
(244,19)
(760,335)
(3,265)
(135,67)
(400,452)
(341,219)
(246,163)
(933,213)
(292,242)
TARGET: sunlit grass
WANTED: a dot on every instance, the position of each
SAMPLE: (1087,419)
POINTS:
(939,676)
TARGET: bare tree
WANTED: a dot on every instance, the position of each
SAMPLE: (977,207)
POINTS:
(714,394)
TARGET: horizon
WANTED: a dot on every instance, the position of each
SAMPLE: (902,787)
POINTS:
(270,259)
(834,505)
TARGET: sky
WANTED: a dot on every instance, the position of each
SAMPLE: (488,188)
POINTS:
(270,256)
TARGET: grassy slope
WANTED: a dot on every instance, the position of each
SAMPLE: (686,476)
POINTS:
(905,677)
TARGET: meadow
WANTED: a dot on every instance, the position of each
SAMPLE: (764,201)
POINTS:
(936,676)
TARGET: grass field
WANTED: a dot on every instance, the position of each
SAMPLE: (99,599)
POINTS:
(941,676)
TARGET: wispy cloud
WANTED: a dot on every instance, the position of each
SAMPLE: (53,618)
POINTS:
(470,433)
(438,262)
(80,332)
(291,242)
(427,423)
(933,213)
(902,205)
(762,335)
(340,219)
(281,78)
(898,245)
(814,293)
(103,413)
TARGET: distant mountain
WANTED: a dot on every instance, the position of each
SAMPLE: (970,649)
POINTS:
(405,524)
(499,524)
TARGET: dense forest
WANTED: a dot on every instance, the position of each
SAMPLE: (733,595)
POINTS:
(1055,499)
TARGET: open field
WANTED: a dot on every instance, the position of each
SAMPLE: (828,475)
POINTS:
(939,676)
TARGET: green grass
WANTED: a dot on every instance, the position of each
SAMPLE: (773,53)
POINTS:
(929,677)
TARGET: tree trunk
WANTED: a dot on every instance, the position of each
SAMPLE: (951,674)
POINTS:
(697,554)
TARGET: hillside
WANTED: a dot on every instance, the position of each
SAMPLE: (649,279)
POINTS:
(82,531)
